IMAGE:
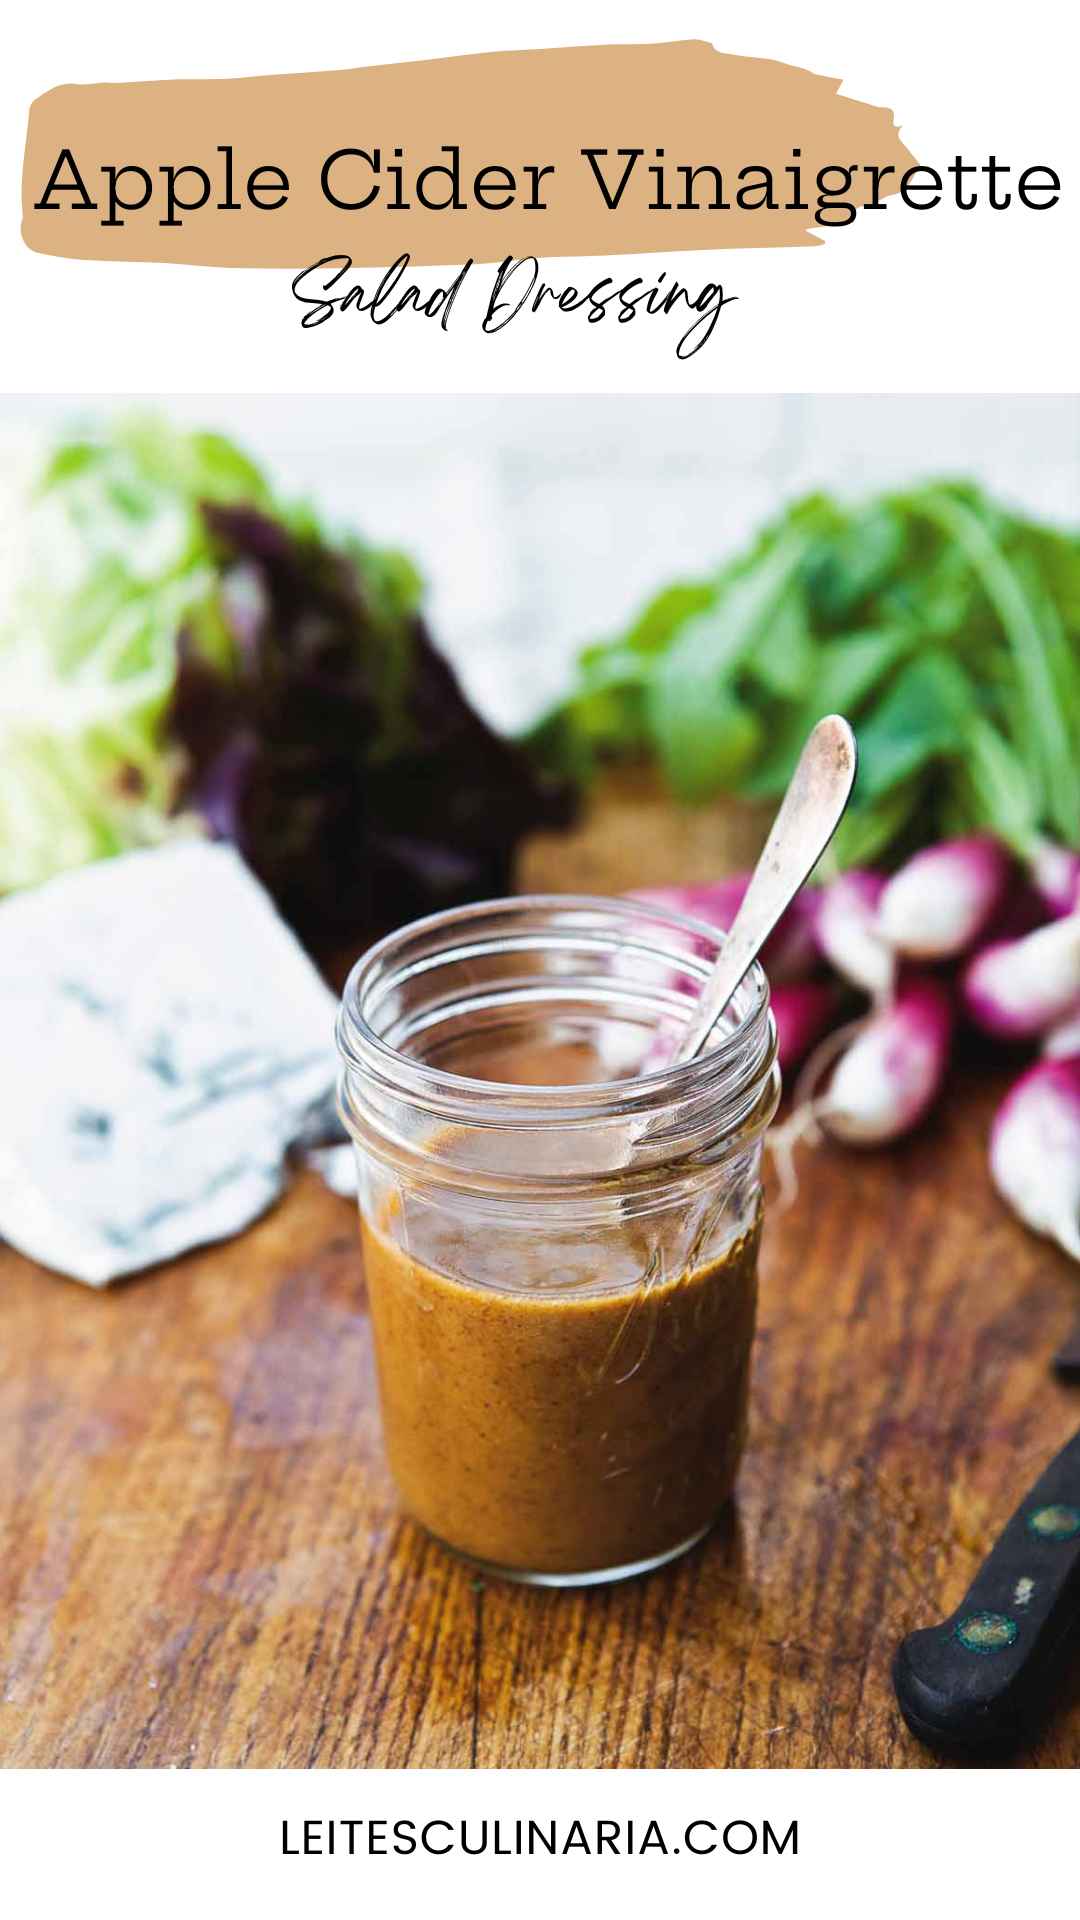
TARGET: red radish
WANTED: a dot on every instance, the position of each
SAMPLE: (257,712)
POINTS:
(891,1074)
(848,935)
(1022,910)
(804,1010)
(945,897)
(717,904)
(1063,1040)
(1016,989)
(790,951)
(1055,871)
(687,900)
(1035,1150)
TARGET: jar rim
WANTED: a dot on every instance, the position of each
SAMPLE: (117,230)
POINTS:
(734,1066)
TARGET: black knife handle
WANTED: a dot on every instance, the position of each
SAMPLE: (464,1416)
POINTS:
(980,1679)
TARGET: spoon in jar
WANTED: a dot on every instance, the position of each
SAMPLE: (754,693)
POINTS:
(810,812)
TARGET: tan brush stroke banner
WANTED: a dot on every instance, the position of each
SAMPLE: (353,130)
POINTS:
(503,109)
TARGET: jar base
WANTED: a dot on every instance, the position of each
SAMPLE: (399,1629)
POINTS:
(594,1577)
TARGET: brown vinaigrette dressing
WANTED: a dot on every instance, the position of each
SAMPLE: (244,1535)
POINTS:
(558,1431)
(560,1434)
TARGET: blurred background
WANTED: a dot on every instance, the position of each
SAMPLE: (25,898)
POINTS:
(384,655)
(543,523)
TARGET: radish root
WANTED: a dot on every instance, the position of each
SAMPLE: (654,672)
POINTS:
(808,1109)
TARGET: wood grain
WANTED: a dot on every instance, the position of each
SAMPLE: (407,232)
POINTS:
(628,834)
(202,1563)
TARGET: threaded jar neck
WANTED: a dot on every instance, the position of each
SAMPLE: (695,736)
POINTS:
(434,1018)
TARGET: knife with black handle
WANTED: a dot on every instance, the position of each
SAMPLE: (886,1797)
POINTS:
(980,1680)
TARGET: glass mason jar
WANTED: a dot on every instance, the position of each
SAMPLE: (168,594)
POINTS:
(560,1232)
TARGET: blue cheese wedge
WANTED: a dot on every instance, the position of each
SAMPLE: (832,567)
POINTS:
(335,1165)
(165,1039)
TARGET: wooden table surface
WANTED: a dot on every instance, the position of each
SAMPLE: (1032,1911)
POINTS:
(202,1563)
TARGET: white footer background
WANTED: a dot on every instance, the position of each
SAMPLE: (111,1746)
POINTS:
(165,1843)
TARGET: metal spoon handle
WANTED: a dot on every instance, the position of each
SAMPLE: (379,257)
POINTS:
(809,815)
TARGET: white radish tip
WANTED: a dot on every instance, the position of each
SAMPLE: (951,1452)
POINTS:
(849,936)
(1035,1151)
(891,1075)
(944,898)
(1017,989)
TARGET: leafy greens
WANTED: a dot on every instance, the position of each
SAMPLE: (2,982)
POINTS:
(944,626)
(181,650)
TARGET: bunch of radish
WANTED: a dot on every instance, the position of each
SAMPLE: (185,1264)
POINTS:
(963,933)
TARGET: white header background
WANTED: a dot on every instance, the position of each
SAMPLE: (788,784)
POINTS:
(934,301)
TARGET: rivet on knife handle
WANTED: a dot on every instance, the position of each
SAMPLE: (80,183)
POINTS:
(980,1679)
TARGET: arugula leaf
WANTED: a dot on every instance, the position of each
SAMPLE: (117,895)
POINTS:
(946,627)
(704,747)
(662,618)
(854,565)
(705,735)
(867,832)
(784,659)
(918,722)
(1024,625)
(997,788)
(846,672)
